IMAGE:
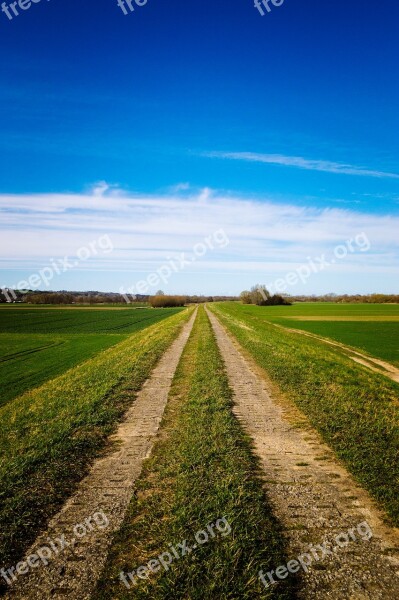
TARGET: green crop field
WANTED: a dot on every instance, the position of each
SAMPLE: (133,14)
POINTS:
(378,338)
(331,310)
(76,320)
(371,328)
(38,344)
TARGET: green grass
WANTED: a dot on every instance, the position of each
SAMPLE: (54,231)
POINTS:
(38,344)
(50,434)
(87,305)
(329,309)
(79,320)
(378,338)
(201,469)
(355,410)
(27,361)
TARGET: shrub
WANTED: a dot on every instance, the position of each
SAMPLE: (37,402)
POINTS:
(162,301)
(260,296)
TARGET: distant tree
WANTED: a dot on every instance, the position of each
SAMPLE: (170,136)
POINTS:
(261,296)
(245,297)
(160,293)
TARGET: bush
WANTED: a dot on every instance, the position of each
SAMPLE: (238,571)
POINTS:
(260,296)
(167,301)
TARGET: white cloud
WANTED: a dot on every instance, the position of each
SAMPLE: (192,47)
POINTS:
(100,188)
(303,163)
(267,238)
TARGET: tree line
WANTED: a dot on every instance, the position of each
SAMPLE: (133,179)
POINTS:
(159,300)
(350,298)
(258,295)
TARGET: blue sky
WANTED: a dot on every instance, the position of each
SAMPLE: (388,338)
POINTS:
(280,130)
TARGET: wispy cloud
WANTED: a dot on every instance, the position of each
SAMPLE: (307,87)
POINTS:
(302,163)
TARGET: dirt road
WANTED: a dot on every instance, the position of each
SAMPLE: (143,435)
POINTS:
(314,496)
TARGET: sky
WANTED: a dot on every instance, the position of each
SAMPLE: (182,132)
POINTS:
(200,147)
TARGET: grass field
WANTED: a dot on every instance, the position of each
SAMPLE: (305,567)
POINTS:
(371,328)
(38,344)
(378,338)
(330,309)
(355,410)
(202,469)
(66,422)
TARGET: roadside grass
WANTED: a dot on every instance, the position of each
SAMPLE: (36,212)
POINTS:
(201,469)
(50,434)
(355,410)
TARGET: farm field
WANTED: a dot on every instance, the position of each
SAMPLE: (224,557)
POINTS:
(378,338)
(355,410)
(332,310)
(371,328)
(40,343)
